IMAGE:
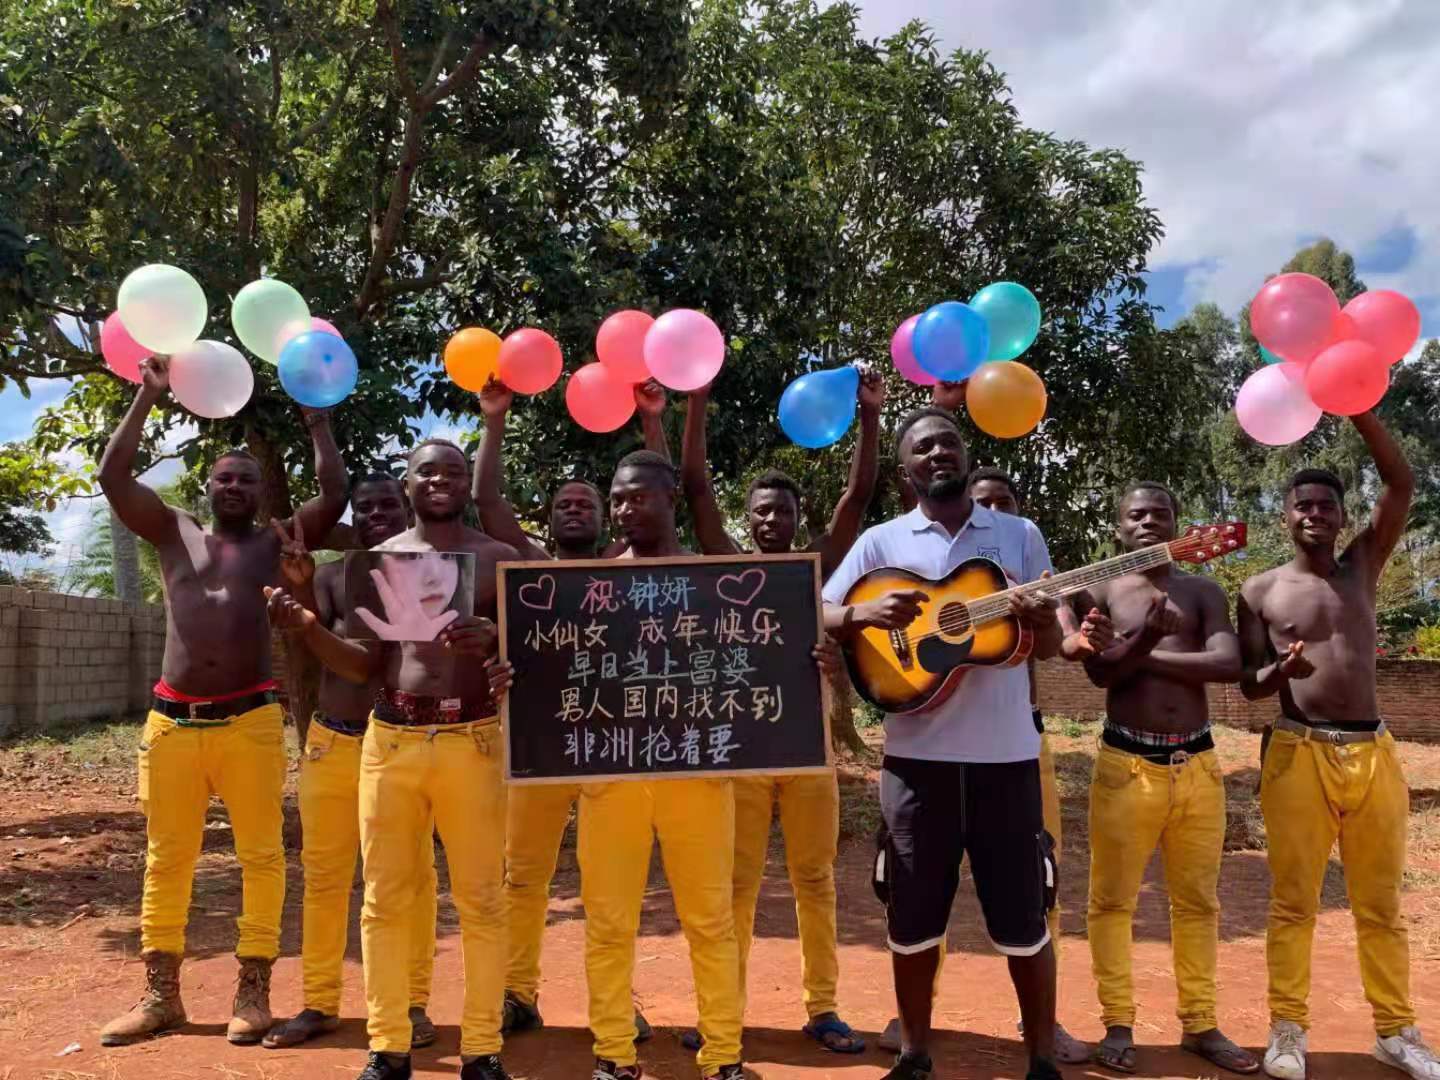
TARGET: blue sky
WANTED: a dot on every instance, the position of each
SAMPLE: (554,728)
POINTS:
(1260,126)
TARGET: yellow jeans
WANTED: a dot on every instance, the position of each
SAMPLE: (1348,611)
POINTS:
(535,820)
(695,820)
(180,768)
(409,776)
(330,821)
(1311,794)
(810,821)
(1134,805)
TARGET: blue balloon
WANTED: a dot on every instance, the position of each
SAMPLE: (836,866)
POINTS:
(819,406)
(951,340)
(318,369)
(1013,315)
(1269,357)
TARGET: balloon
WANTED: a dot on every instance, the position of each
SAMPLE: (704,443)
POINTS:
(266,314)
(1293,315)
(902,352)
(1348,378)
(325,326)
(1005,399)
(1387,320)
(530,361)
(599,399)
(162,307)
(684,349)
(1269,357)
(620,344)
(471,357)
(1013,315)
(1272,405)
(211,379)
(951,340)
(122,352)
(318,369)
(818,407)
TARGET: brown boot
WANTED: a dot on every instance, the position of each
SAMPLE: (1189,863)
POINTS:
(251,1019)
(159,1010)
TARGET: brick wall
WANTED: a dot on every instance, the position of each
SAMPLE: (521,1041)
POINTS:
(1409,698)
(70,658)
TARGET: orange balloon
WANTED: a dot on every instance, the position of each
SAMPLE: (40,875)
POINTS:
(471,357)
(1005,399)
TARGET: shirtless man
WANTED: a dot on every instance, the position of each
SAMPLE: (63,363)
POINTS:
(215,726)
(1157,780)
(330,791)
(431,753)
(809,803)
(1307,633)
(537,814)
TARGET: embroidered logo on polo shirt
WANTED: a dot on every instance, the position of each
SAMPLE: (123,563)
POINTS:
(991,553)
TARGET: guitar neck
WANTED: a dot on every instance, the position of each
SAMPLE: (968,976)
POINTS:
(997,605)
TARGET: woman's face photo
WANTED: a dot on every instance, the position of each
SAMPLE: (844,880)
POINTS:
(428,576)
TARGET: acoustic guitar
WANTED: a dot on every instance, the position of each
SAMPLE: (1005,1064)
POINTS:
(966,623)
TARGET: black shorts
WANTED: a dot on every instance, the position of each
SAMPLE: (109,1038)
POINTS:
(937,812)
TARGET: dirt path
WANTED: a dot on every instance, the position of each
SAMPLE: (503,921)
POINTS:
(71,855)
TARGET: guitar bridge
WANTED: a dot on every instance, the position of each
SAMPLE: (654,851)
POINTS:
(900,642)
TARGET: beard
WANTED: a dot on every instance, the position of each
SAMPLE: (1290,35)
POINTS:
(950,488)
(456,511)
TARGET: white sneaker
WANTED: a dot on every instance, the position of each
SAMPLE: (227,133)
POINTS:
(1285,1056)
(1408,1053)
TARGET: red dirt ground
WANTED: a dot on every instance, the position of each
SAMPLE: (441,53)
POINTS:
(71,859)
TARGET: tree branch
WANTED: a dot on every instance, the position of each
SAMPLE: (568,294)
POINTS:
(481,47)
(438,64)
(274,83)
(316,126)
(385,13)
(398,287)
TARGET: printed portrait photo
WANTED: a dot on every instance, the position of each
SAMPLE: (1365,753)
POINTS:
(407,595)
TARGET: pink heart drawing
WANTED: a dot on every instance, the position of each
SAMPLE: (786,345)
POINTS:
(540,593)
(733,587)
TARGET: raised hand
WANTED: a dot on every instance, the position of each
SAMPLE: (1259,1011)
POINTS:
(496,398)
(893,611)
(949,395)
(404,619)
(472,635)
(872,392)
(650,398)
(1293,664)
(287,613)
(155,374)
(297,565)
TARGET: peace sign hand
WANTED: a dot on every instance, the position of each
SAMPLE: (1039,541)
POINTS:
(297,565)
(404,619)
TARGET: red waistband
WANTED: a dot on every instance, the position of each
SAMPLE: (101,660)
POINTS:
(169,693)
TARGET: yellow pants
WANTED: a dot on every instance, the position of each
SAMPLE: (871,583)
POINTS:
(695,820)
(409,776)
(1134,805)
(535,820)
(180,768)
(1312,794)
(810,821)
(330,820)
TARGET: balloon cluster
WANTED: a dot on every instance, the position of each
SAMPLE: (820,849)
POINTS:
(978,342)
(1319,357)
(682,349)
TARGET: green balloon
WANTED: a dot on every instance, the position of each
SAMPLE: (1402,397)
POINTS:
(1269,357)
(1013,315)
(266,314)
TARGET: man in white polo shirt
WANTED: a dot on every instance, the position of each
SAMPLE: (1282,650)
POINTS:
(962,778)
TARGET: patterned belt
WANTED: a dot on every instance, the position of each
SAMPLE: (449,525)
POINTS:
(420,710)
(340,727)
(1158,738)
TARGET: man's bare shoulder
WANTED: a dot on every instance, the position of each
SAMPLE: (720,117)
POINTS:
(1205,588)
(486,547)
(405,541)
(1255,589)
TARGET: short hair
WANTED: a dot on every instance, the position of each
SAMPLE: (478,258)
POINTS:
(925,412)
(376,476)
(575,481)
(1323,477)
(435,442)
(1000,476)
(1152,485)
(650,460)
(772,480)
(238,452)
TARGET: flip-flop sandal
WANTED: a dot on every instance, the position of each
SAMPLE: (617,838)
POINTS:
(829,1031)
(1070,1050)
(423,1032)
(1106,1056)
(303,1027)
(1224,1054)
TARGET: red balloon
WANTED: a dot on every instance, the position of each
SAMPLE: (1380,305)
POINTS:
(598,399)
(620,344)
(1347,378)
(1293,315)
(1387,320)
(530,361)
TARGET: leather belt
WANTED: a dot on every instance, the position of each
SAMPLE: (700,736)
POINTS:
(211,713)
(419,710)
(1333,736)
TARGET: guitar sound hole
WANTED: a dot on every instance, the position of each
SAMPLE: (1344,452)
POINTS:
(954,620)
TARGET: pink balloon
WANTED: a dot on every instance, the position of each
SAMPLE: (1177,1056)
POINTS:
(122,352)
(1348,378)
(1387,320)
(902,352)
(620,344)
(324,325)
(684,350)
(530,361)
(1293,315)
(599,399)
(1272,405)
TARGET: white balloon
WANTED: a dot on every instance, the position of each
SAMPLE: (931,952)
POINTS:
(162,307)
(211,379)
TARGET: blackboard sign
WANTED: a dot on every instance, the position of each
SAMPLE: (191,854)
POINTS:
(632,668)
